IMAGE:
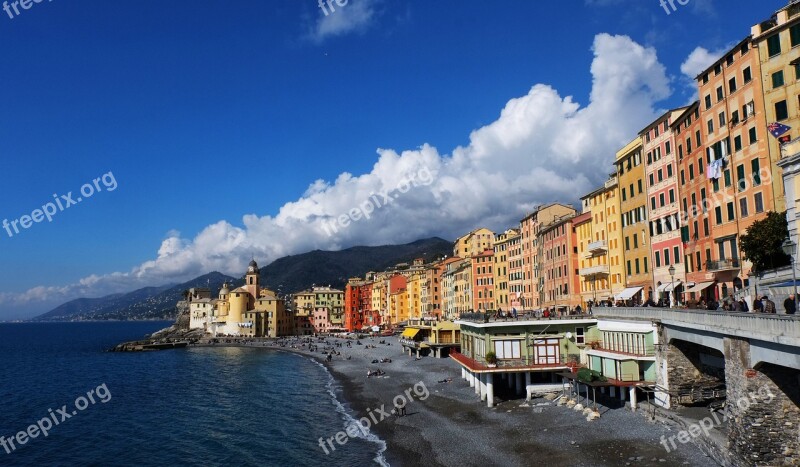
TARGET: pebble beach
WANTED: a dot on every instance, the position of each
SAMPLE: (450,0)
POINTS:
(452,427)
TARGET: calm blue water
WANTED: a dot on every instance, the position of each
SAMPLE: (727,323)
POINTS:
(179,407)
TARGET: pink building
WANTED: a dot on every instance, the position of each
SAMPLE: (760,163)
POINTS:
(663,208)
(320,320)
(483,281)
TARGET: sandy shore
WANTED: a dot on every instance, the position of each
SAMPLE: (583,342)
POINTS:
(452,427)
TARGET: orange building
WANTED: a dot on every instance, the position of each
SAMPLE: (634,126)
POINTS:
(561,285)
(482,281)
(734,131)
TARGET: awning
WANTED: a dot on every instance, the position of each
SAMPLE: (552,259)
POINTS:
(627,293)
(668,286)
(409,333)
(699,287)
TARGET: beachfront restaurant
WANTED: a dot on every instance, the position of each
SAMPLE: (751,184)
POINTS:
(520,353)
(429,335)
(624,352)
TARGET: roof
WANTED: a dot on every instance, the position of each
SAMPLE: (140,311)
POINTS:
(658,120)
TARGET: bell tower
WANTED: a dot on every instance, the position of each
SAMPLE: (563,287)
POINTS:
(252,279)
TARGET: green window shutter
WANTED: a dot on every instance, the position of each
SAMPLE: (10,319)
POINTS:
(685,234)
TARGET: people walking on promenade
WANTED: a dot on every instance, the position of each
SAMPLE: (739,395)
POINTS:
(790,305)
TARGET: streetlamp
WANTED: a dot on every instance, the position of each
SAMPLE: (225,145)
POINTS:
(671,271)
(789,247)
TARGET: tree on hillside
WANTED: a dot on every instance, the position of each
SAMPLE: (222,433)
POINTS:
(761,244)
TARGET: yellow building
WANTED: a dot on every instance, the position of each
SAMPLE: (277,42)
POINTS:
(474,243)
(776,42)
(276,319)
(601,269)
(398,306)
(414,287)
(635,229)
(502,257)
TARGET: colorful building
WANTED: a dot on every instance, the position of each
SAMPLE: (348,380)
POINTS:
(502,242)
(635,231)
(482,276)
(658,143)
(560,279)
(474,243)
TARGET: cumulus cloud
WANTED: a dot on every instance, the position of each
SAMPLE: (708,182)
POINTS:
(698,61)
(355,16)
(543,147)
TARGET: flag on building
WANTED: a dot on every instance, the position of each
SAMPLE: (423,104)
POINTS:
(778,129)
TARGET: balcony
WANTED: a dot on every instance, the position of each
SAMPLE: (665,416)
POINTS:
(599,247)
(723,265)
(600,270)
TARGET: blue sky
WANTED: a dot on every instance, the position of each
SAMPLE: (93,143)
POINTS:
(228,125)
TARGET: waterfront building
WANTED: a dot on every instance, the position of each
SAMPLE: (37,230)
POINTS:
(635,231)
(775,43)
(502,242)
(560,279)
(515,270)
(474,243)
(482,281)
(430,336)
(529,227)
(526,350)
(353,305)
(433,289)
(397,309)
(663,214)
(601,268)
(696,212)
(414,285)
(741,188)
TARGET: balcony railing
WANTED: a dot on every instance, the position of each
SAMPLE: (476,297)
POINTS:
(600,346)
(601,269)
(723,265)
(598,247)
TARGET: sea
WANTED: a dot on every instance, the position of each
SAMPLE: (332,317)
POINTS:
(202,406)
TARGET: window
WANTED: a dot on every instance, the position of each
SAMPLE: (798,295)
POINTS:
(676,255)
(774,45)
(717,69)
(731,214)
(658,259)
(635,241)
(623,195)
(688,145)
(781,111)
(753,135)
(668,147)
(671,196)
(705,78)
(740,181)
(653,203)
(669,171)
(734,117)
(737,143)
(727,175)
(721,119)
(660,175)
(720,93)
(636,263)
(777,79)
(691,171)
(703,199)
(705,226)
(640,185)
(666,257)
(748,75)
(697,138)
(700,165)
(629,267)
(579,336)
(743,207)
(683,178)
(759,202)
(732,85)
(794,34)
(756,172)
(661,199)
(718,214)
(680,152)
(507,349)
(708,101)
(652,181)
(710,126)
(729,60)
(797,70)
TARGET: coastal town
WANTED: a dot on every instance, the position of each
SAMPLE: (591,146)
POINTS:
(642,295)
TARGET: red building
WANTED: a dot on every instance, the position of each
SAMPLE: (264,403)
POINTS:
(353,311)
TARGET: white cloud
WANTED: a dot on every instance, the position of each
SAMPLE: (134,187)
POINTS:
(699,60)
(355,16)
(542,148)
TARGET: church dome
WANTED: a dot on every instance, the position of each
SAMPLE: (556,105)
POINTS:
(253,264)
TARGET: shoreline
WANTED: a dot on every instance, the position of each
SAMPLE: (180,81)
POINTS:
(451,426)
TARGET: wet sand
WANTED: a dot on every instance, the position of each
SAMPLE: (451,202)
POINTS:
(452,427)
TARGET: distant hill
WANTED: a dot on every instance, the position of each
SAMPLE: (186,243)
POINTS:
(141,304)
(299,272)
(288,274)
